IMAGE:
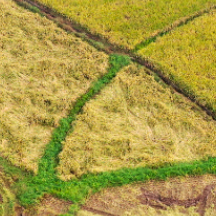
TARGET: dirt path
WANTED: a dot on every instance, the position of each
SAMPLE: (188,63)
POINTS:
(147,197)
(179,196)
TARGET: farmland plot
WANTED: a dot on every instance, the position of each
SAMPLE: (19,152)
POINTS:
(43,70)
(187,56)
(134,122)
(127,23)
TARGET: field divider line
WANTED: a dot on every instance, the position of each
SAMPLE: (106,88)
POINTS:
(36,186)
(102,44)
(49,161)
(176,24)
(93,183)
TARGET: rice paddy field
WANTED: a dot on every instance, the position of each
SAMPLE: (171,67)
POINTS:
(91,132)
(187,56)
(43,71)
(136,121)
(128,22)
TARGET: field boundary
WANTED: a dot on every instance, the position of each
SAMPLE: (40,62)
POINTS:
(32,187)
(178,23)
(102,44)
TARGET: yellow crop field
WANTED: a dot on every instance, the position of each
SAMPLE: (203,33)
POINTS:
(136,121)
(127,22)
(7,198)
(187,57)
(43,70)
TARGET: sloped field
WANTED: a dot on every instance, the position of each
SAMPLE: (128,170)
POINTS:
(43,70)
(126,23)
(135,122)
(187,56)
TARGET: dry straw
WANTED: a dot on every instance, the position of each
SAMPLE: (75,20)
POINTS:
(43,70)
(134,122)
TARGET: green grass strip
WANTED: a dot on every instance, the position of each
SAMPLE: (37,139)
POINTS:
(33,187)
(77,190)
(13,171)
(49,161)
(175,25)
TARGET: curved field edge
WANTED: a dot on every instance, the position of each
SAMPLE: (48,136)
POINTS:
(47,164)
(34,187)
(90,184)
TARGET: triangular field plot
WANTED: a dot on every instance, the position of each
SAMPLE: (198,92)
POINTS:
(136,121)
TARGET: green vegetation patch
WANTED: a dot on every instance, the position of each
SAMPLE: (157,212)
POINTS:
(134,122)
(7,199)
(126,23)
(43,70)
(187,57)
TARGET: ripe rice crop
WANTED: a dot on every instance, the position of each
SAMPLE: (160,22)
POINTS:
(126,23)
(187,57)
(136,121)
(43,70)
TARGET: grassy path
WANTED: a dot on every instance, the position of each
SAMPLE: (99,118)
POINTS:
(102,44)
(29,188)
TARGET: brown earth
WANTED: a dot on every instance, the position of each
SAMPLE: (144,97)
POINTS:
(48,206)
(179,196)
(109,48)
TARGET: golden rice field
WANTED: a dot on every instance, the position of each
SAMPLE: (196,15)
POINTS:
(127,22)
(43,70)
(187,56)
(136,121)
(129,128)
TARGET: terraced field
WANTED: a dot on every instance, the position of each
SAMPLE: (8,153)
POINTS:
(127,131)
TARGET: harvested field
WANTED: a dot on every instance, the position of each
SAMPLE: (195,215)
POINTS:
(43,70)
(176,197)
(126,23)
(187,57)
(136,121)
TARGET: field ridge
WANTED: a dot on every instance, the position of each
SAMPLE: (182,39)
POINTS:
(102,44)
(34,187)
